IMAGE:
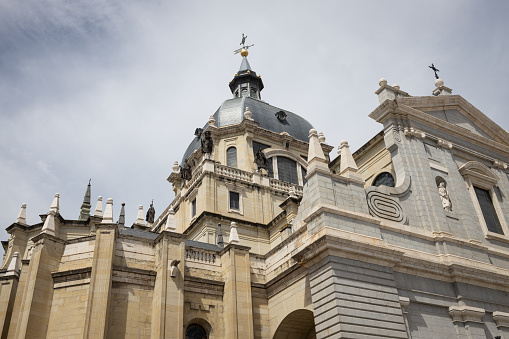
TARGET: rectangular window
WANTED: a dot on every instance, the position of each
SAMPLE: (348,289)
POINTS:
(287,170)
(193,208)
(234,201)
(488,210)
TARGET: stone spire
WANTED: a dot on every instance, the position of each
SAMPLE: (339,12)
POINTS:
(55,205)
(121,218)
(108,212)
(170,221)
(348,167)
(140,219)
(316,158)
(99,207)
(22,216)
(86,206)
(220,241)
(234,236)
(49,226)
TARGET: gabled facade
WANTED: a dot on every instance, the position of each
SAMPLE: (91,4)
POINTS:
(268,237)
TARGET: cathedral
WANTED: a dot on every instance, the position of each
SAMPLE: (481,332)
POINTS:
(274,235)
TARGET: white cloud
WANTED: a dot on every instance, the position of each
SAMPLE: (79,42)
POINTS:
(113,90)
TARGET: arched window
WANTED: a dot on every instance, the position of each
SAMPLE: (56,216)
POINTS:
(287,170)
(385,179)
(231,157)
(195,331)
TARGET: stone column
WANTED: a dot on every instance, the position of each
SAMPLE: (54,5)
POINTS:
(96,320)
(469,318)
(237,300)
(37,295)
(168,300)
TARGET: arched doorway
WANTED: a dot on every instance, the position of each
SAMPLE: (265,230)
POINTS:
(195,331)
(299,324)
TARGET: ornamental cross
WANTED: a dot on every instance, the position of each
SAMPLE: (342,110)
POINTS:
(243,43)
(434,70)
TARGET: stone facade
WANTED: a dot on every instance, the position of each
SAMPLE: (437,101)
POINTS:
(361,246)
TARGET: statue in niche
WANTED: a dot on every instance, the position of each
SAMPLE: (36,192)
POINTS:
(444,195)
(206,143)
(151,213)
(261,160)
(185,172)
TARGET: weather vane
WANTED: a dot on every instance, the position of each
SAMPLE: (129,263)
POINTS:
(244,47)
(434,70)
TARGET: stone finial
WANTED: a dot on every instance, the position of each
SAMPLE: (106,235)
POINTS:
(234,236)
(55,205)
(99,207)
(170,221)
(212,121)
(85,206)
(14,264)
(441,89)
(108,212)
(348,167)
(140,220)
(396,86)
(22,216)
(49,226)
(321,137)
(220,241)
(175,167)
(121,218)
(247,114)
(382,82)
(316,158)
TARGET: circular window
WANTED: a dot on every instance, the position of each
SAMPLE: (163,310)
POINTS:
(385,179)
(195,331)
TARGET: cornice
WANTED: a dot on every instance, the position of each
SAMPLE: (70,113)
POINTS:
(397,109)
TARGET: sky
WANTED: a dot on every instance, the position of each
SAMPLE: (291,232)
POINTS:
(113,90)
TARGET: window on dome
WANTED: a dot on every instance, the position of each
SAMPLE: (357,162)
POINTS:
(258,147)
(244,92)
(287,170)
(231,157)
(385,179)
(488,210)
(195,331)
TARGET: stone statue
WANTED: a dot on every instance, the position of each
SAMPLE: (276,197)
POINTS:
(444,195)
(185,172)
(261,160)
(207,143)
(151,213)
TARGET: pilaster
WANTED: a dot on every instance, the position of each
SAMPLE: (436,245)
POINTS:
(469,318)
(8,288)
(37,295)
(237,299)
(100,282)
(168,300)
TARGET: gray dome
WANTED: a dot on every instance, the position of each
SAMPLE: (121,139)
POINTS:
(232,112)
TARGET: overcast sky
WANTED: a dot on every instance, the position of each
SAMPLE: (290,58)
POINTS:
(114,90)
